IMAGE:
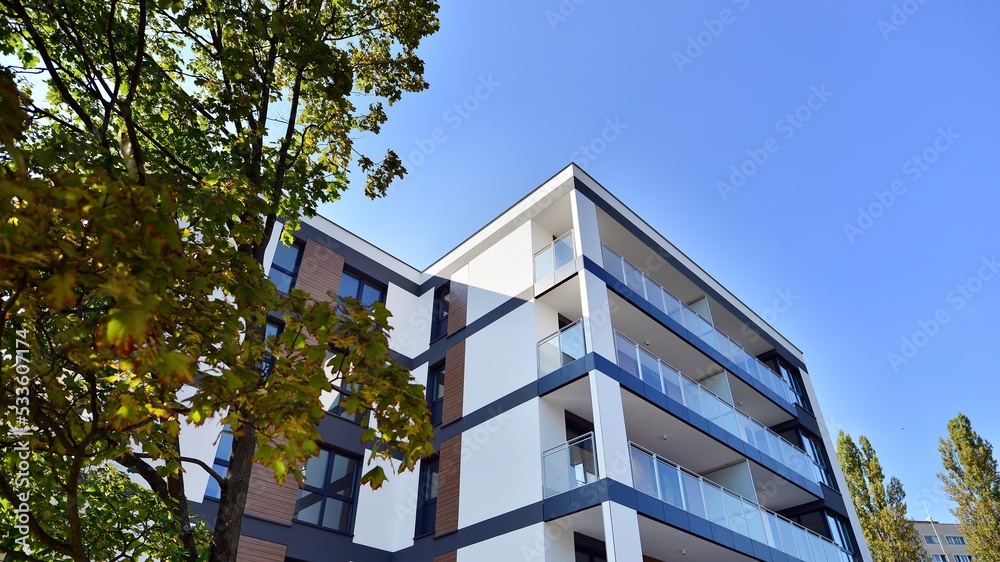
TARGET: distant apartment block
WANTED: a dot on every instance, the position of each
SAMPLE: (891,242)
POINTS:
(597,397)
(943,541)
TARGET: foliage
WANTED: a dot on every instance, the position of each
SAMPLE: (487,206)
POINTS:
(881,507)
(971,480)
(137,200)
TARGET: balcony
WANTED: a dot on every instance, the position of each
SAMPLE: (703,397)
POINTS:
(652,370)
(686,490)
(636,280)
(569,465)
(549,261)
(561,348)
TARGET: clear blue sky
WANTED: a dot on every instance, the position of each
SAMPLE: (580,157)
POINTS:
(549,78)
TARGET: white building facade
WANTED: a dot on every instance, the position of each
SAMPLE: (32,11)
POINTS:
(597,396)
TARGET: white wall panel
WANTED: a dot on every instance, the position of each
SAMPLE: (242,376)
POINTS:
(502,271)
(500,358)
(386,518)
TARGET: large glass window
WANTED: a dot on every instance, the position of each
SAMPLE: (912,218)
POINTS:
(358,286)
(931,539)
(435,391)
(221,463)
(327,496)
(285,266)
(439,316)
(427,496)
(336,407)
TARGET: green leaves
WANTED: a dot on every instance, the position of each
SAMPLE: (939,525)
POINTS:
(972,481)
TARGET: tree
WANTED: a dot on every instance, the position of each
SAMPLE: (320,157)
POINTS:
(137,194)
(881,508)
(971,480)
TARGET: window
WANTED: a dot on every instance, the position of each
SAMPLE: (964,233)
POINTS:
(439,316)
(221,463)
(338,410)
(814,448)
(271,330)
(931,539)
(358,286)
(940,557)
(435,391)
(427,494)
(954,539)
(964,558)
(839,532)
(588,549)
(285,266)
(327,496)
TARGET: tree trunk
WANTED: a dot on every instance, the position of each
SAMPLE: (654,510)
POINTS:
(233,499)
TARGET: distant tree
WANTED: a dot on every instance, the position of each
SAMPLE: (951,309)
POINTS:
(971,481)
(881,508)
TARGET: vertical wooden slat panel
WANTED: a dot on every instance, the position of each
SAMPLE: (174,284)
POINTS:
(319,271)
(454,383)
(447,557)
(449,480)
(267,500)
(256,550)
(458,307)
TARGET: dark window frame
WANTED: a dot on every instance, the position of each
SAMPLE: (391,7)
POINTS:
(363,280)
(332,453)
(441,311)
(293,275)
(435,381)
(427,507)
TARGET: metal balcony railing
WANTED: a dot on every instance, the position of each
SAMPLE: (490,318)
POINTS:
(635,279)
(561,348)
(684,489)
(656,372)
(570,465)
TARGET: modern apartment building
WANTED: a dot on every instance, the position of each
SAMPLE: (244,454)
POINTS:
(943,542)
(597,396)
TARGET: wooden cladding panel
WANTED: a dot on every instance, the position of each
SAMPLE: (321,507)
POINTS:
(458,307)
(454,383)
(447,557)
(268,500)
(449,480)
(319,271)
(256,550)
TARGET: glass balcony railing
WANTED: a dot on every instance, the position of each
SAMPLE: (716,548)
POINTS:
(554,256)
(561,348)
(703,498)
(658,373)
(570,465)
(673,307)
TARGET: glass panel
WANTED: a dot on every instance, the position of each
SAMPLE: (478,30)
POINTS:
(672,383)
(692,495)
(670,485)
(633,279)
(775,445)
(556,468)
(653,293)
(692,395)
(213,490)
(225,448)
(650,367)
(316,469)
(571,344)
(690,320)
(626,355)
(307,507)
(787,538)
(286,257)
(715,505)
(710,405)
(771,529)
(613,264)
(729,419)
(671,306)
(802,541)
(643,472)
(734,509)
(370,294)
(349,286)
(337,515)
(760,436)
(755,523)
(548,355)
(582,463)
(563,250)
(342,476)
(746,428)
(543,264)
(281,280)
